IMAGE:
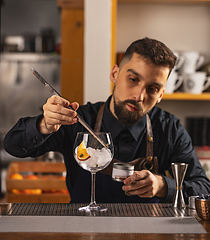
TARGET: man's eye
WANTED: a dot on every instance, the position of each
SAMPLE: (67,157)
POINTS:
(132,79)
(153,89)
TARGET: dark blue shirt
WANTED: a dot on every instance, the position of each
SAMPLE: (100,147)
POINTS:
(171,144)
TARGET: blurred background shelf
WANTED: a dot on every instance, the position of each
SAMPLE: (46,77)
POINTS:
(187,96)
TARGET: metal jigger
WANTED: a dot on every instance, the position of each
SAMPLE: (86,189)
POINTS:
(179,170)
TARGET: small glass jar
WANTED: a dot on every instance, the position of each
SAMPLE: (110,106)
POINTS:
(121,171)
(192,201)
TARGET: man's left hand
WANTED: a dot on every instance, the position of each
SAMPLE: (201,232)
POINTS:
(145,184)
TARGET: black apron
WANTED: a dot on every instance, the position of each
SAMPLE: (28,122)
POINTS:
(110,190)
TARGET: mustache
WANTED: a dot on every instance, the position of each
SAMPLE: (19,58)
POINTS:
(133,102)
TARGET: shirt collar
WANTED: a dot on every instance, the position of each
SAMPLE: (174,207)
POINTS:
(115,127)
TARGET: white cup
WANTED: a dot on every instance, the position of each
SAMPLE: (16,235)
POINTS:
(193,60)
(195,82)
(179,61)
(174,82)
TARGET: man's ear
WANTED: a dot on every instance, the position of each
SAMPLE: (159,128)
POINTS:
(161,96)
(114,73)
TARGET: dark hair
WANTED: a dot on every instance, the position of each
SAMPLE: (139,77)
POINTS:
(150,50)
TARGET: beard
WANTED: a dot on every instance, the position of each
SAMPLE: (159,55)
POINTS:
(126,117)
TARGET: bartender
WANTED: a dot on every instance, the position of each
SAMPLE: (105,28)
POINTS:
(142,133)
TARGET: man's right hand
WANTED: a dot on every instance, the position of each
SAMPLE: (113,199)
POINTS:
(56,114)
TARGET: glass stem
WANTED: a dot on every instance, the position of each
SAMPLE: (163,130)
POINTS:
(93,181)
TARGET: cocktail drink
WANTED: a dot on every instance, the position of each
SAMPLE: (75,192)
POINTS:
(92,156)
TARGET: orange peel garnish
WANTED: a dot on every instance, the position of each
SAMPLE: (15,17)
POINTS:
(82,153)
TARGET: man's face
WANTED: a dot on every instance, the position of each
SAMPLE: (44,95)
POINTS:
(138,86)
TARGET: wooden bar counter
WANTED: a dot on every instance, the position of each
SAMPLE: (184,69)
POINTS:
(102,236)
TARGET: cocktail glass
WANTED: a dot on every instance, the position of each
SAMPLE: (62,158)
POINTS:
(99,158)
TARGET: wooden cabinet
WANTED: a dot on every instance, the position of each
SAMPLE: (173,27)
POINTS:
(72,52)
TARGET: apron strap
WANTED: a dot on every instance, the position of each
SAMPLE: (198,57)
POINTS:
(150,161)
(99,119)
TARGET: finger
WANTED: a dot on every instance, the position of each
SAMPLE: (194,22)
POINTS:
(57,120)
(142,192)
(58,115)
(54,108)
(62,118)
(141,182)
(59,105)
(137,175)
(148,194)
(60,110)
(138,184)
(145,192)
(75,105)
(58,100)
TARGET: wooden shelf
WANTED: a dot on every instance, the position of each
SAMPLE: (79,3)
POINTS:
(73,4)
(187,96)
(164,1)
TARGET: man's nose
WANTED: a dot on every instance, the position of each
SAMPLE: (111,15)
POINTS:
(139,94)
